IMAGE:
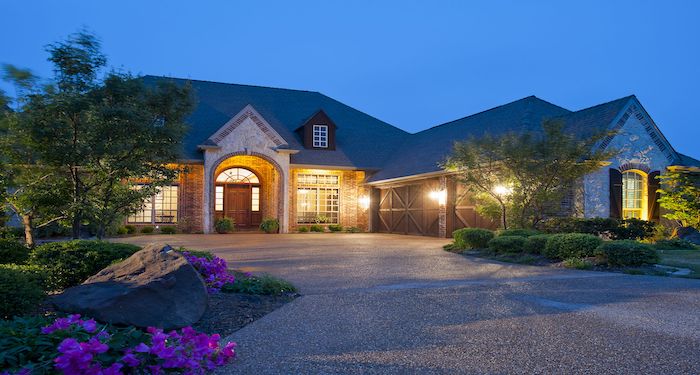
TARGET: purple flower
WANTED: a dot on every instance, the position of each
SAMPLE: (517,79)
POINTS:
(89,325)
(130,359)
(214,272)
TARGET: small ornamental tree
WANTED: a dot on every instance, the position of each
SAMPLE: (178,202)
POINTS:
(680,196)
(89,132)
(537,168)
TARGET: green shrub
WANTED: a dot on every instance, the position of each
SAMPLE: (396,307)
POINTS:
(11,232)
(626,253)
(627,229)
(472,238)
(70,263)
(571,245)
(168,230)
(12,251)
(121,231)
(260,285)
(578,263)
(303,229)
(353,230)
(536,244)
(335,228)
(674,244)
(317,228)
(518,232)
(20,292)
(147,229)
(507,244)
(270,225)
(634,229)
(224,225)
(130,229)
(37,273)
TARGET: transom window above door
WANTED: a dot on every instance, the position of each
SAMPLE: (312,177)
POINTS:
(237,176)
(320,136)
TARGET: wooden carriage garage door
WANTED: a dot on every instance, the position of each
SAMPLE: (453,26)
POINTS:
(408,209)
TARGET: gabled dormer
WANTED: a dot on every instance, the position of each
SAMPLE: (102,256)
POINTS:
(318,132)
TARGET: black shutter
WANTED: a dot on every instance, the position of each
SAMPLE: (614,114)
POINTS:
(653,202)
(615,193)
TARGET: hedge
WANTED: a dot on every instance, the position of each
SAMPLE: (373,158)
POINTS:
(626,253)
(12,251)
(536,244)
(72,262)
(472,238)
(20,292)
(571,245)
(507,244)
(518,232)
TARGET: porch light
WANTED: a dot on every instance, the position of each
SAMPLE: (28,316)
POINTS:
(440,196)
(364,202)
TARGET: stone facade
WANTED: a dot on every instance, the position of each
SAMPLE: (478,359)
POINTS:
(640,146)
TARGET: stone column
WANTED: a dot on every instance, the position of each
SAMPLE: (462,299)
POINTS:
(442,231)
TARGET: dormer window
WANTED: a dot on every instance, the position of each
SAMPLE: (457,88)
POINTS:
(320,134)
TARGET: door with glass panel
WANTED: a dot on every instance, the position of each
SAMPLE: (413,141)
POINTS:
(237,196)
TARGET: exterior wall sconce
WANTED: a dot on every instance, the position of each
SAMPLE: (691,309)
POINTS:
(364,202)
(440,196)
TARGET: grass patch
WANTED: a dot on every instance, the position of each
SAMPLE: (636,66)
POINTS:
(259,285)
(682,259)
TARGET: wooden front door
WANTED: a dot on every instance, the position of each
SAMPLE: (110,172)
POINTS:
(238,204)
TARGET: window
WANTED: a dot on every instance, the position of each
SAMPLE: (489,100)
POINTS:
(633,192)
(255,204)
(219,198)
(237,176)
(159,209)
(317,198)
(320,136)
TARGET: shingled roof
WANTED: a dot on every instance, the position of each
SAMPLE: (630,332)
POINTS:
(423,151)
(362,141)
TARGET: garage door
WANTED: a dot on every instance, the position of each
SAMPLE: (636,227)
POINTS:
(409,209)
(463,213)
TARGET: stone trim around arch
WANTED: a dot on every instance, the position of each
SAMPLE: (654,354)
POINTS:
(210,178)
(638,166)
(248,113)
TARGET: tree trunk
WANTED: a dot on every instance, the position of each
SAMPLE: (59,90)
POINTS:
(76,226)
(100,231)
(28,231)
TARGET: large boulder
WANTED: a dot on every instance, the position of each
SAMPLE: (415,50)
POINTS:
(156,287)
(689,234)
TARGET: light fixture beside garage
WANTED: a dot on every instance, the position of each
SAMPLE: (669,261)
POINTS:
(364,202)
(440,196)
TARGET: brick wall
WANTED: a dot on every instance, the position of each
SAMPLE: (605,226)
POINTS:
(191,191)
(351,213)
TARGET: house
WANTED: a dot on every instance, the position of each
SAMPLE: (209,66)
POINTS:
(304,158)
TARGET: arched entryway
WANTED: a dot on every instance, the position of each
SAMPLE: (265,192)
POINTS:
(237,193)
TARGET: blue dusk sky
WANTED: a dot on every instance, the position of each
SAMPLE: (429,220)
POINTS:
(412,64)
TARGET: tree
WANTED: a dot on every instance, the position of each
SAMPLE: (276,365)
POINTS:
(99,134)
(527,174)
(680,195)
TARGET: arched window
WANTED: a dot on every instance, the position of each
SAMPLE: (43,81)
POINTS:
(237,176)
(634,195)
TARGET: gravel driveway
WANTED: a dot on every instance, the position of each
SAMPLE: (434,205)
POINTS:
(392,304)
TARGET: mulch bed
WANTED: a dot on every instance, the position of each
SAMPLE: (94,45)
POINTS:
(229,312)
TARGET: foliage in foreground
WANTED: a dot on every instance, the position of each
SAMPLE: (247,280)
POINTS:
(12,251)
(72,345)
(72,262)
(571,245)
(507,244)
(616,229)
(20,291)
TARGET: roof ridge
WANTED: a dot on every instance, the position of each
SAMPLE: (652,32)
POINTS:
(530,97)
(628,97)
(364,113)
(230,84)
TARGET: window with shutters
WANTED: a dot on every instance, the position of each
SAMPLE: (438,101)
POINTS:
(634,195)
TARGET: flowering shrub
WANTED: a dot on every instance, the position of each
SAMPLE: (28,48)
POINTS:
(86,347)
(214,271)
